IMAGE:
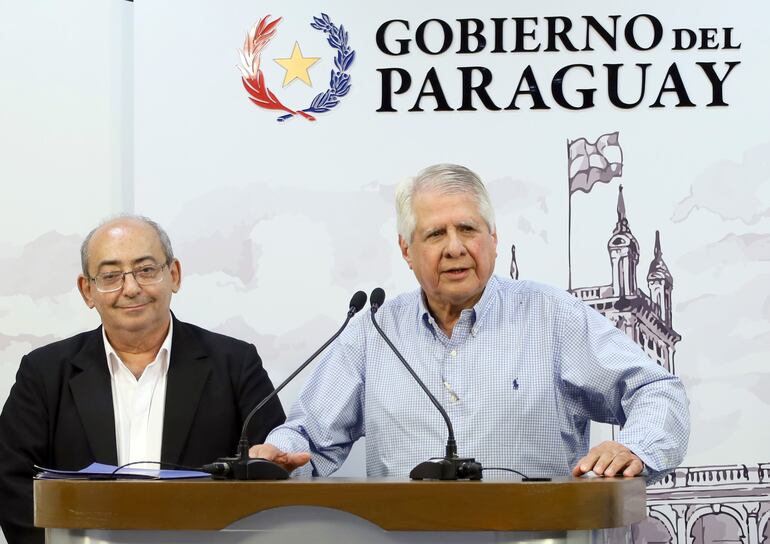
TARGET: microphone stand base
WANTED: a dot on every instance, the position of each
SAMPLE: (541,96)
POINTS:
(447,468)
(252,469)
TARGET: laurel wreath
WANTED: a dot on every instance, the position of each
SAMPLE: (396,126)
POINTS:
(254,82)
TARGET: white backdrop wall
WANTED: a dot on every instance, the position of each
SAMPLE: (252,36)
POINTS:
(276,224)
(277,218)
(65,159)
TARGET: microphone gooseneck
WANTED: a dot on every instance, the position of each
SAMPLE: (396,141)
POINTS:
(450,467)
(241,467)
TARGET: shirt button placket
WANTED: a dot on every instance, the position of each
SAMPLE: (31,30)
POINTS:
(450,359)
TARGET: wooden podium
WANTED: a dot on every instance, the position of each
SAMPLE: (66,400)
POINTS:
(339,510)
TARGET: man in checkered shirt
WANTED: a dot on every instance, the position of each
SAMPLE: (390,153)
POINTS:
(521,368)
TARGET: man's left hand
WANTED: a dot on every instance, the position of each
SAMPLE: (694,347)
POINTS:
(609,459)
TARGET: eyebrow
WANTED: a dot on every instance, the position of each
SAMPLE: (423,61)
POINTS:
(432,230)
(114,262)
(464,223)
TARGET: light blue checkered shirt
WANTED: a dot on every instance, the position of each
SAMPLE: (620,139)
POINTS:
(524,372)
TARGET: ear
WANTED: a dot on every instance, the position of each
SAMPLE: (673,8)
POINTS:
(405,251)
(84,286)
(176,275)
(494,237)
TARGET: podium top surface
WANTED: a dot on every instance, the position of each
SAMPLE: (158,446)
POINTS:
(392,504)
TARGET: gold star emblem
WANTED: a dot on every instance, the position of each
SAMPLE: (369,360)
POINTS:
(297,66)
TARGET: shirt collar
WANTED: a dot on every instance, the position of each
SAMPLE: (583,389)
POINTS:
(164,353)
(479,310)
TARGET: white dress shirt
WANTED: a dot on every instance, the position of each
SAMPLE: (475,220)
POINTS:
(139,404)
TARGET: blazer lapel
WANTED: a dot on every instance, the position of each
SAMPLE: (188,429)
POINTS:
(92,394)
(188,372)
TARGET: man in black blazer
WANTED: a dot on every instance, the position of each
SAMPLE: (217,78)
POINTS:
(61,411)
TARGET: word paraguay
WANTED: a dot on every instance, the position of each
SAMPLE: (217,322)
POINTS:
(471,86)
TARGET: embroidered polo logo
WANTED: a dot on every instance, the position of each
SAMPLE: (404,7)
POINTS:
(515,384)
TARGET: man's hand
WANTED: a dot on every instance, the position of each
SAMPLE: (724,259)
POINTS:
(609,459)
(289,461)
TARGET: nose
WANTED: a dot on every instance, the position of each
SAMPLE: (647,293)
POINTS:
(131,287)
(455,246)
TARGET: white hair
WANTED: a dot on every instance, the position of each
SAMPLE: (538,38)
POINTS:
(449,179)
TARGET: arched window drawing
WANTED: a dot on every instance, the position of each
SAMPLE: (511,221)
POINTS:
(717,529)
(650,531)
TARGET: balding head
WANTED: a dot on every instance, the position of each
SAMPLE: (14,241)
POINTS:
(118,221)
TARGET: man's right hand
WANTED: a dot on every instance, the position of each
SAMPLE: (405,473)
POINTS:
(289,461)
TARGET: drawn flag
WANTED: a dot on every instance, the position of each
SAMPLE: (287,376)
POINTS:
(592,162)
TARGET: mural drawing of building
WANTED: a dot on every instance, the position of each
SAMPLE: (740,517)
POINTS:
(646,318)
(692,505)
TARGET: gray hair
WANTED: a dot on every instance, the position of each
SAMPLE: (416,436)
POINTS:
(165,242)
(450,179)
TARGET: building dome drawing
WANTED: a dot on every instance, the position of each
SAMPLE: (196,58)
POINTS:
(622,237)
(646,317)
(658,269)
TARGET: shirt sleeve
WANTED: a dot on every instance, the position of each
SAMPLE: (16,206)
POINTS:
(328,415)
(610,379)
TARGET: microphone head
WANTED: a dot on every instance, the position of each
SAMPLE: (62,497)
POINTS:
(377,298)
(357,302)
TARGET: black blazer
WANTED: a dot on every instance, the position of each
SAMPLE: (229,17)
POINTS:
(59,413)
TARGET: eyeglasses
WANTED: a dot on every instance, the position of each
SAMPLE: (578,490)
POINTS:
(148,274)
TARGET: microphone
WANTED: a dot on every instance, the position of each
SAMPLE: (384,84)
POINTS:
(449,467)
(241,467)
